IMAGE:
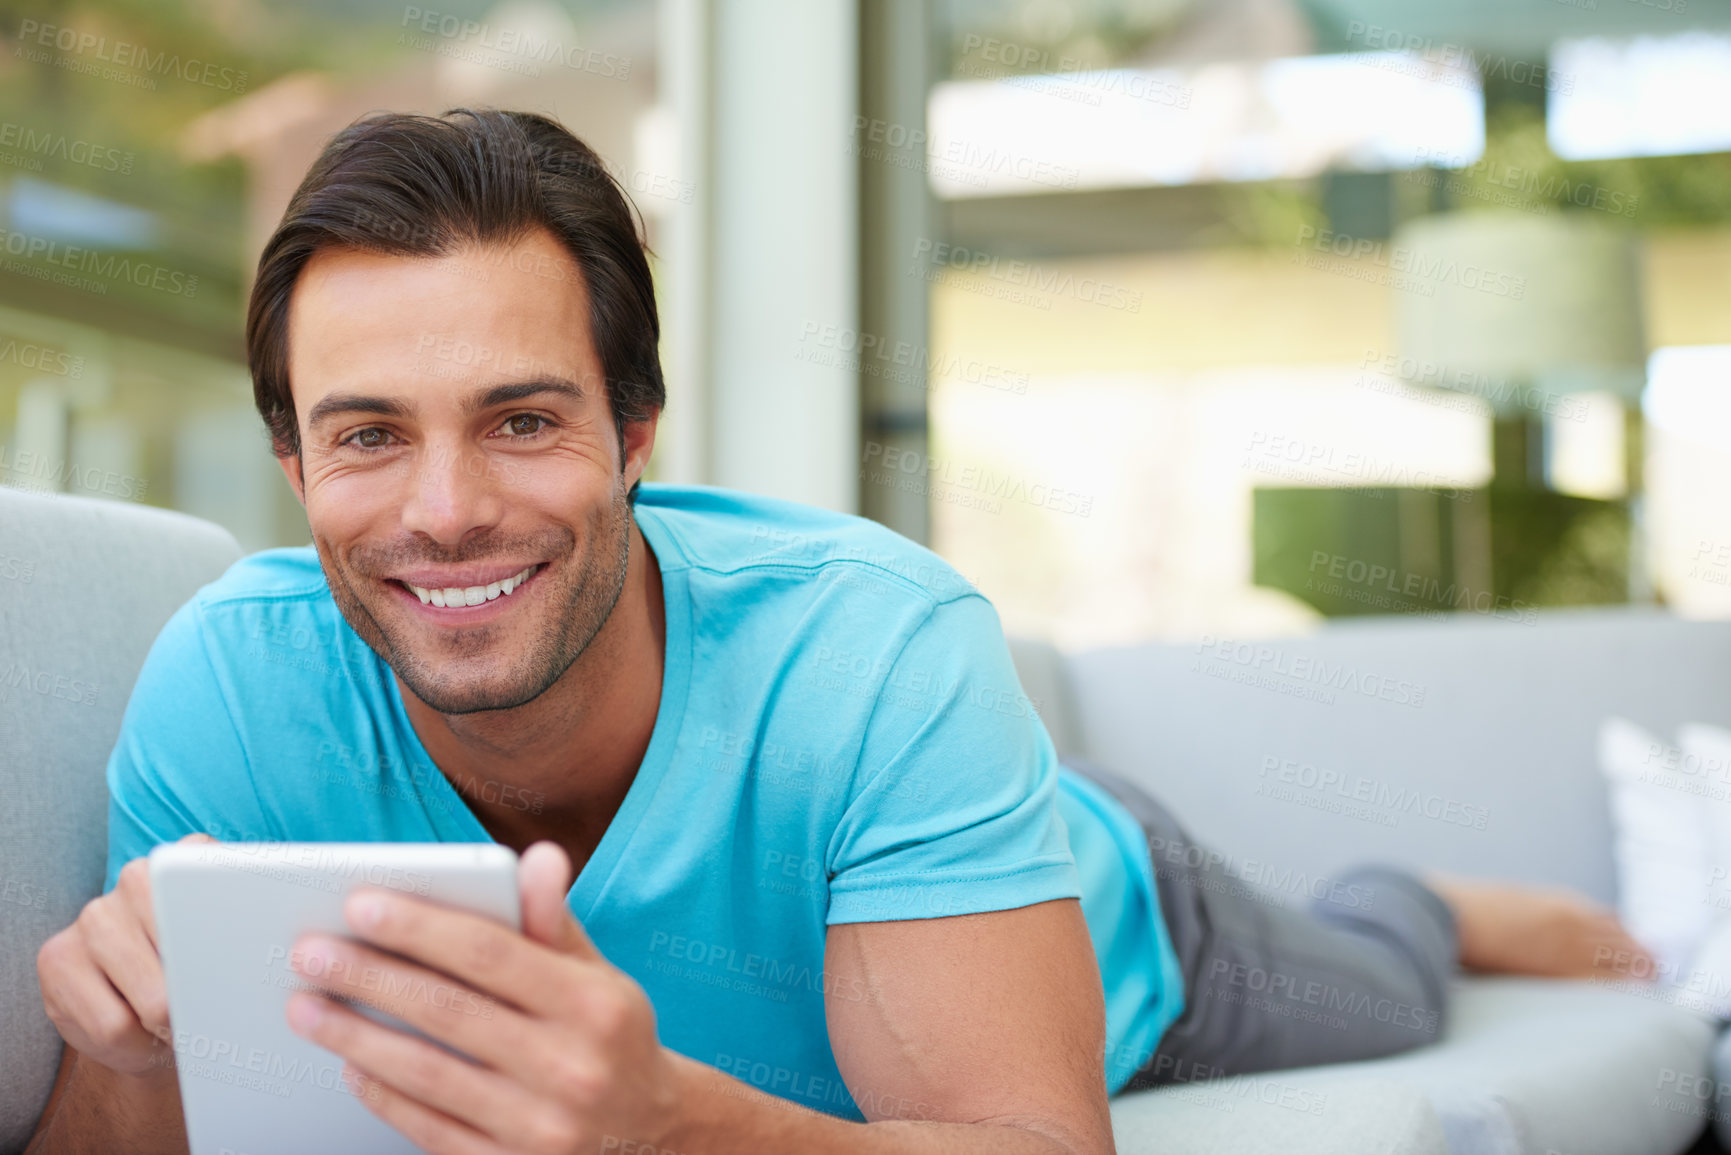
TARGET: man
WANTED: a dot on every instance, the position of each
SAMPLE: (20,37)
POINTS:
(827,869)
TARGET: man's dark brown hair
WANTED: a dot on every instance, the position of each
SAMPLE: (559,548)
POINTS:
(422,186)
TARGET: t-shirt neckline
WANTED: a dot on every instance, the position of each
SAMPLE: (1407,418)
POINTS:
(449,812)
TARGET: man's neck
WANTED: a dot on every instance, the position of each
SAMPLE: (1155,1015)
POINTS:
(560,766)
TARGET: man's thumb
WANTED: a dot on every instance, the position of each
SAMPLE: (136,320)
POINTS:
(543,878)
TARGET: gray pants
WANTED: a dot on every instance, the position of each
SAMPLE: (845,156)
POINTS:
(1362,974)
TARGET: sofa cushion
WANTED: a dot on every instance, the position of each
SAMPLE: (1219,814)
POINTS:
(1525,1067)
(1466,745)
(84,587)
(1532,1066)
(1266,1115)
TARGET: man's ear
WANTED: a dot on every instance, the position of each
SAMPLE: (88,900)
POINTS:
(639,444)
(291,469)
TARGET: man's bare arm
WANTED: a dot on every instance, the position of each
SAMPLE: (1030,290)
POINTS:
(92,1105)
(980,1033)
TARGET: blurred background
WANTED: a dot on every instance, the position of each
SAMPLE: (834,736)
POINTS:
(1156,318)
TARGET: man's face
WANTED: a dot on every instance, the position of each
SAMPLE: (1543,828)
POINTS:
(457,444)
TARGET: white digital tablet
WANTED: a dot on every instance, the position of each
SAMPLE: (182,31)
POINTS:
(227,918)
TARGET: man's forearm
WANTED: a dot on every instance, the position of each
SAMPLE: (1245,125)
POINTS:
(724,1116)
(94,1111)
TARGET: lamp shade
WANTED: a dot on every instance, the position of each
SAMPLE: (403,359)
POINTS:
(1511,305)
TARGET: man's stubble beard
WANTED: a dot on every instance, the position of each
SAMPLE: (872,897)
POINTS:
(580,609)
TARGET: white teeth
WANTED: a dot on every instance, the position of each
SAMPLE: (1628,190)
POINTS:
(472,595)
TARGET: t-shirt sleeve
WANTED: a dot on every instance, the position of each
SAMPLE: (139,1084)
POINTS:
(954,811)
(177,739)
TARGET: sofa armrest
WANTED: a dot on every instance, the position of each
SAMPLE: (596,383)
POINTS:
(1267,1115)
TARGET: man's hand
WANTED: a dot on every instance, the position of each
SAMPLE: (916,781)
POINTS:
(102,986)
(101,978)
(564,1044)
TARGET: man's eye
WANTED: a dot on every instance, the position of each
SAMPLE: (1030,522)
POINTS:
(525,424)
(369,438)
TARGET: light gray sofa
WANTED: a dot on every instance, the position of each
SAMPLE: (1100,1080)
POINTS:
(1465,746)
(1505,727)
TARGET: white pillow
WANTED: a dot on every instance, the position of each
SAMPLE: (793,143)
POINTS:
(1706,771)
(1660,845)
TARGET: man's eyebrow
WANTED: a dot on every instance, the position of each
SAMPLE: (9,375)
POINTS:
(337,403)
(522,390)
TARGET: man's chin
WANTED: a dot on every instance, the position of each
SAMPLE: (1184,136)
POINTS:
(468,695)
(468,684)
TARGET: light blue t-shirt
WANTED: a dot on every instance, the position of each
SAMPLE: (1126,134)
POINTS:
(841,738)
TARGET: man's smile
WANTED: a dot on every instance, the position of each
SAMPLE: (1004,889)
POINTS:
(462,591)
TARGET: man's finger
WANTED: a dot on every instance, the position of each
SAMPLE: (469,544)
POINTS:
(544,880)
(473,1102)
(487,956)
(128,958)
(474,1023)
(89,1013)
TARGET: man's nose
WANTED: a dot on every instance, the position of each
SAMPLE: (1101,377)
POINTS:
(452,490)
